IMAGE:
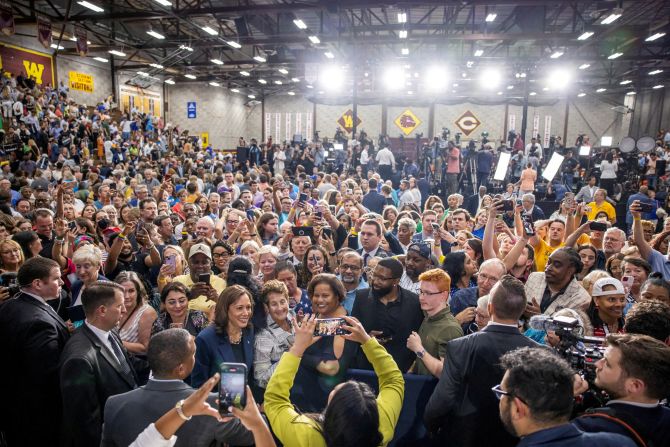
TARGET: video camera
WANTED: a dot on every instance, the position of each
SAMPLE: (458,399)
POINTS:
(445,133)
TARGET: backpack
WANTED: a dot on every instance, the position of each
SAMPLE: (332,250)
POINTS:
(623,419)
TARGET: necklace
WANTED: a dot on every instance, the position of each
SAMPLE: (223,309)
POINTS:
(237,340)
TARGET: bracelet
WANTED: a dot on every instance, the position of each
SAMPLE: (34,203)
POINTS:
(180,410)
(637,218)
(122,236)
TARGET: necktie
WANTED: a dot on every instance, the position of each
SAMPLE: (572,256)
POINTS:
(365,259)
(119,354)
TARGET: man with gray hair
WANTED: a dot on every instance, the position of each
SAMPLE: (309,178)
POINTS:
(464,301)
(171,358)
(529,207)
(406,230)
(204,227)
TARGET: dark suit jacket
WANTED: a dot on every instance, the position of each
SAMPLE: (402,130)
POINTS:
(128,414)
(374,201)
(212,349)
(408,318)
(32,337)
(90,374)
(463,408)
(472,204)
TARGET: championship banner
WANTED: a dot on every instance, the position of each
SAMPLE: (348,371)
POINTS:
(82,44)
(288,127)
(81,81)
(44,31)
(347,122)
(277,127)
(512,122)
(536,126)
(17,60)
(308,127)
(407,121)
(298,123)
(547,130)
(268,125)
(6,18)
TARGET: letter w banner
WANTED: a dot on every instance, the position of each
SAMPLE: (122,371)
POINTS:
(82,45)
(6,18)
(34,63)
(44,31)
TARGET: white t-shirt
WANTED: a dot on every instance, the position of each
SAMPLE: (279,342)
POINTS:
(608,170)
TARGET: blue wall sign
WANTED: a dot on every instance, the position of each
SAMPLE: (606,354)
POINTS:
(190,110)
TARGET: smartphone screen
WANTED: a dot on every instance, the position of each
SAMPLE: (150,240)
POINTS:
(204,277)
(508,205)
(528,226)
(172,262)
(251,215)
(598,226)
(627,282)
(232,389)
(303,197)
(329,327)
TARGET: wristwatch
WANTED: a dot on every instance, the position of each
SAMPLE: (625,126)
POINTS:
(421,353)
(180,411)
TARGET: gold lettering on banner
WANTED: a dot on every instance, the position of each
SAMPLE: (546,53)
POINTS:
(34,69)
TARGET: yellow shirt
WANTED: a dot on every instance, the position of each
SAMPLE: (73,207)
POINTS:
(605,206)
(201,302)
(542,252)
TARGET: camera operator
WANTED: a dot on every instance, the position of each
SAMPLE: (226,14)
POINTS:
(534,147)
(484,164)
(453,168)
(634,372)
(536,400)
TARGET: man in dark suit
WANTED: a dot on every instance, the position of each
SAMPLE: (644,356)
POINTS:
(370,237)
(462,410)
(94,365)
(32,337)
(389,313)
(170,356)
(472,202)
(374,201)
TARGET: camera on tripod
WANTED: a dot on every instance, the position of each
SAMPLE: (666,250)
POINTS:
(445,133)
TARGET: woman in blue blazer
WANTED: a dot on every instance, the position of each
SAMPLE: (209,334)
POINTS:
(230,338)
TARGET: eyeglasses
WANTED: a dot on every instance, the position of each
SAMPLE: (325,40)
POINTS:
(353,268)
(425,292)
(487,277)
(499,392)
(232,222)
(219,255)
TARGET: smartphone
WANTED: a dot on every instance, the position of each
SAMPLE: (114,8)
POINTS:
(528,226)
(598,226)
(646,207)
(436,226)
(508,205)
(72,225)
(303,231)
(233,387)
(329,327)
(569,202)
(172,262)
(350,192)
(327,232)
(332,209)
(112,186)
(139,227)
(627,282)
(251,215)
(519,202)
(204,277)
(303,197)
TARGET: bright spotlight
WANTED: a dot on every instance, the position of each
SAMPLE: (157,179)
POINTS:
(558,79)
(331,77)
(490,78)
(436,79)
(393,78)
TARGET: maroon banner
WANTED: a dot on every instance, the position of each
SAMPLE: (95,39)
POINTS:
(31,63)
(6,18)
(44,31)
(82,45)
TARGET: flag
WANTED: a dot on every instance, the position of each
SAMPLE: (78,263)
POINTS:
(44,31)
(6,18)
(82,45)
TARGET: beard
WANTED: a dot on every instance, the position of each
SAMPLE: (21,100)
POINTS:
(506,419)
(380,292)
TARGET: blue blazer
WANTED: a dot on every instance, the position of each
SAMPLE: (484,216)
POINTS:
(212,349)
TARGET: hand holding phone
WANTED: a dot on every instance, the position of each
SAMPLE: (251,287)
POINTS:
(233,387)
(329,327)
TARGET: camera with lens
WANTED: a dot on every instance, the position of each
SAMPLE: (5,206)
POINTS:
(445,133)
(8,280)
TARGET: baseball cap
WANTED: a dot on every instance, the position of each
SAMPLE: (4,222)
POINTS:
(423,249)
(602,282)
(202,249)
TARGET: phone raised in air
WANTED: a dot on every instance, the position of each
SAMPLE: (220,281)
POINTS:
(528,226)
(233,387)
(598,226)
(646,207)
(204,277)
(329,327)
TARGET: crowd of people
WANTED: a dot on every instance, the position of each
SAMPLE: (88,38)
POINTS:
(134,263)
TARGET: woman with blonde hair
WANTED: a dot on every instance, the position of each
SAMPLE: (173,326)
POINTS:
(267,259)
(172,269)
(11,256)
(136,322)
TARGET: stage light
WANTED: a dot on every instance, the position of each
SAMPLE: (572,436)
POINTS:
(91,6)
(630,93)
(653,37)
(625,82)
(610,18)
(499,93)
(310,86)
(263,81)
(545,89)
(329,55)
(556,54)
(215,84)
(169,81)
(553,166)
(185,47)
(503,163)
(143,74)
(581,95)
(532,93)
(491,17)
(614,56)
(117,53)
(469,64)
(436,79)
(159,66)
(600,90)
(245,73)
(164,2)
(656,87)
(655,72)
(295,79)
(402,34)
(100,59)
(404,51)
(155,34)
(282,71)
(251,96)
(606,141)
(190,76)
(409,92)
(210,30)
(490,78)
(260,59)
(585,35)
(278,82)
(584,66)
(234,44)
(234,90)
(300,24)
(314,39)
(217,61)
(510,87)
(402,17)
(479,53)
(291,93)
(558,79)
(393,78)
(331,77)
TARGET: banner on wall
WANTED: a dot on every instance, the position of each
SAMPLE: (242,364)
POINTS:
(308,126)
(268,125)
(298,124)
(346,121)
(18,60)
(81,81)
(44,31)
(287,131)
(205,139)
(277,126)
(407,121)
(6,18)
(547,130)
(467,122)
(512,122)
(536,126)
(82,44)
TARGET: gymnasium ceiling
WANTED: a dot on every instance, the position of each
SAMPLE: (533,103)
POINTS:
(366,37)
